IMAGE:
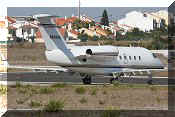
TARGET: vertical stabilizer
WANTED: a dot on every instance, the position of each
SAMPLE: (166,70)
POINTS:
(52,37)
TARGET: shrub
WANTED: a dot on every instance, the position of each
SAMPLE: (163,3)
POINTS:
(3,89)
(18,84)
(35,103)
(34,90)
(116,83)
(101,102)
(131,85)
(54,106)
(80,90)
(94,92)
(22,90)
(20,101)
(158,99)
(152,88)
(47,90)
(59,85)
(83,100)
(104,92)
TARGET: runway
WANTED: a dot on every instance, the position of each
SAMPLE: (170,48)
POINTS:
(49,78)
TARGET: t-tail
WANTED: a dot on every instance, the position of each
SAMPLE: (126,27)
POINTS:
(56,48)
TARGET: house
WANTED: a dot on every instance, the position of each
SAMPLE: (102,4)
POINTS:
(3,30)
(136,19)
(73,34)
(162,14)
(114,28)
(63,21)
(145,21)
(99,31)
(89,32)
(86,18)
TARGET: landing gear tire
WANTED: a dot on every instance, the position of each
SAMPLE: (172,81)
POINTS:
(87,80)
(113,79)
(150,82)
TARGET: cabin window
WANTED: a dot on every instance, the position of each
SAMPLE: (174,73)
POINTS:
(139,57)
(129,57)
(134,57)
(120,57)
(125,57)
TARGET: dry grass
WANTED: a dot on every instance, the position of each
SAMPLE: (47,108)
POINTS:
(122,97)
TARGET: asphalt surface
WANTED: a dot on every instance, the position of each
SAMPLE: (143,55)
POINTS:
(42,77)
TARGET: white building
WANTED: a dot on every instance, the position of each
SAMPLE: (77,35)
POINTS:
(25,29)
(86,18)
(3,30)
(136,19)
(162,14)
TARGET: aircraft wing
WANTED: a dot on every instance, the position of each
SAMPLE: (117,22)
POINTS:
(138,71)
(39,68)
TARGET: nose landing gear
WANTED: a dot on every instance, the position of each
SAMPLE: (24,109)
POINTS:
(87,79)
(150,81)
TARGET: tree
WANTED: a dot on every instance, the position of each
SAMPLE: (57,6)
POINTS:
(83,37)
(104,19)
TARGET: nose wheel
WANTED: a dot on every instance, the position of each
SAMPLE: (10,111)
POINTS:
(87,80)
(113,79)
(150,81)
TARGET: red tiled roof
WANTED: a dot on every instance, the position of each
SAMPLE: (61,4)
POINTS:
(38,34)
(62,21)
(11,20)
(72,19)
(74,32)
(62,31)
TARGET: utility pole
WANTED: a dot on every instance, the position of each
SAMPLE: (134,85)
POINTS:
(79,10)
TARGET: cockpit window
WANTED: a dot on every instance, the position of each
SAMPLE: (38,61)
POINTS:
(154,55)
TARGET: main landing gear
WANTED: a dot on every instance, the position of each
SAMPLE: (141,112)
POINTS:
(150,81)
(120,76)
(87,79)
(116,77)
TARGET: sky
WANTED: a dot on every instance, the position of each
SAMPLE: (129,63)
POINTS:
(114,13)
(4,4)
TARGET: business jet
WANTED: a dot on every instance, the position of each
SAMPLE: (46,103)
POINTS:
(94,60)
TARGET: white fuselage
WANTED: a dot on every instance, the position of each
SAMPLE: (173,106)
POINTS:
(98,64)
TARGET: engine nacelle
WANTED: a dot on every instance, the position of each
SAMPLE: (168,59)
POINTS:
(89,52)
